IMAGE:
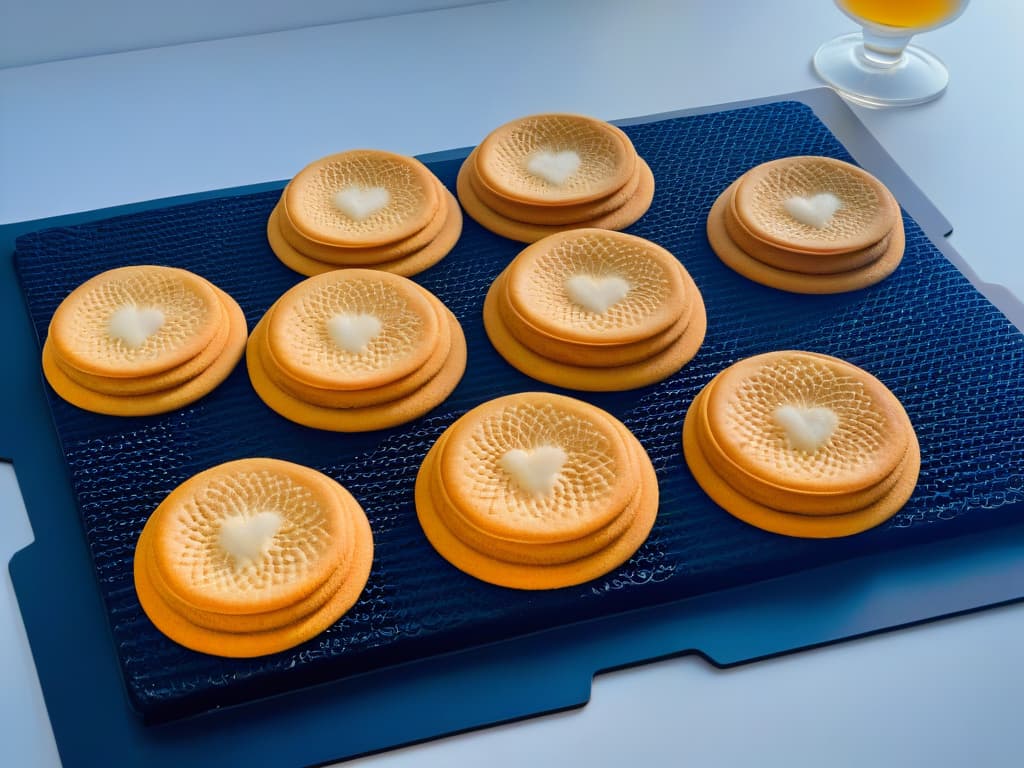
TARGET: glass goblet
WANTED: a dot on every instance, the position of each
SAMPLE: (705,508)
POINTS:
(878,67)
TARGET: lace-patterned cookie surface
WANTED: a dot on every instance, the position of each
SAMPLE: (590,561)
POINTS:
(361,198)
(544,174)
(536,491)
(364,208)
(802,444)
(135,321)
(155,321)
(815,204)
(595,310)
(251,557)
(555,159)
(808,225)
(356,350)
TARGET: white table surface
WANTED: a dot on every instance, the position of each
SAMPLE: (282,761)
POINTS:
(93,132)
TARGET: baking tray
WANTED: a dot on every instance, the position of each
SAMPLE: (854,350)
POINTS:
(427,650)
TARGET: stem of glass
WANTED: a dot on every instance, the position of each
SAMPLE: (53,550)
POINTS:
(883,51)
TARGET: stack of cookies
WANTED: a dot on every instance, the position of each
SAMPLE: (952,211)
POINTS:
(808,225)
(543,174)
(802,444)
(364,208)
(595,310)
(252,557)
(536,491)
(136,341)
(356,350)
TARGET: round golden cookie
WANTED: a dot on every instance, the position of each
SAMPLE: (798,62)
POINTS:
(157,382)
(796,282)
(843,431)
(352,329)
(240,641)
(361,198)
(555,159)
(778,496)
(597,287)
(411,264)
(528,553)
(550,215)
(788,524)
(595,379)
(254,622)
(590,488)
(432,506)
(160,401)
(250,536)
(581,354)
(135,321)
(619,218)
(361,419)
(798,261)
(344,256)
(358,398)
(867,212)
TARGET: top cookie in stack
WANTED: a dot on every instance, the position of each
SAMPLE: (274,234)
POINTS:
(808,225)
(544,174)
(364,208)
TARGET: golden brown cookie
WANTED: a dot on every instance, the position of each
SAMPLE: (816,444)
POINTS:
(798,282)
(620,218)
(595,310)
(582,354)
(135,321)
(552,215)
(802,444)
(361,198)
(799,261)
(157,382)
(407,265)
(358,398)
(352,329)
(597,287)
(555,159)
(348,256)
(536,491)
(815,204)
(854,430)
(249,553)
(194,384)
(356,350)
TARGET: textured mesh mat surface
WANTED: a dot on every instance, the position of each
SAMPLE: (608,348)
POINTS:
(953,360)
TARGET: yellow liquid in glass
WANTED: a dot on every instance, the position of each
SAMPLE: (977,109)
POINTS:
(912,14)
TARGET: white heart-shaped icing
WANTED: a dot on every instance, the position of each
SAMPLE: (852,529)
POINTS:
(815,211)
(361,202)
(807,429)
(534,471)
(353,333)
(133,325)
(554,167)
(596,294)
(246,539)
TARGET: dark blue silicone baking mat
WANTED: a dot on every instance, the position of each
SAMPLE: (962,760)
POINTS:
(955,362)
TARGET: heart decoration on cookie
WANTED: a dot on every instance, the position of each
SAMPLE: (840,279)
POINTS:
(353,333)
(361,202)
(535,471)
(133,325)
(246,539)
(807,429)
(815,211)
(596,294)
(554,167)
